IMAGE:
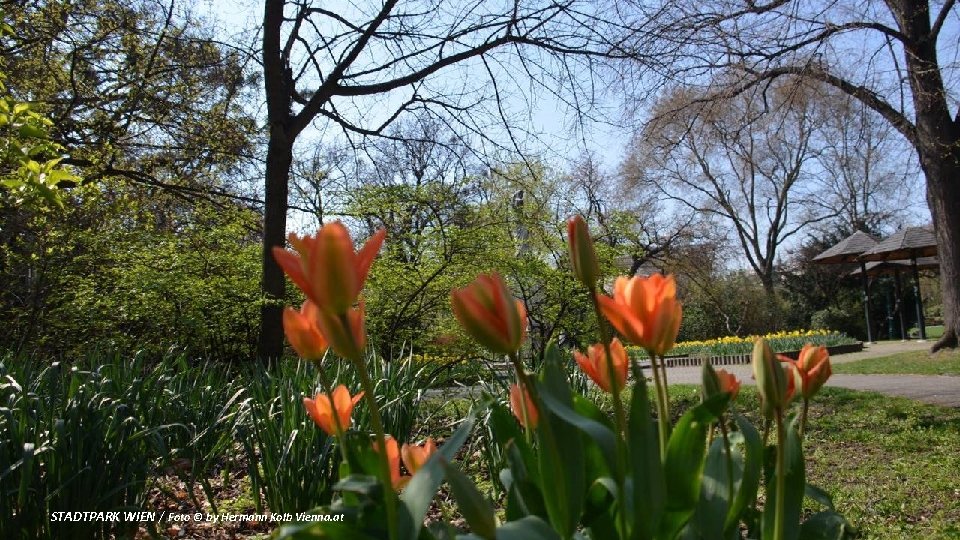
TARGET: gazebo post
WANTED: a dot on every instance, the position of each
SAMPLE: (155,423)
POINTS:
(921,323)
(887,293)
(898,288)
(866,299)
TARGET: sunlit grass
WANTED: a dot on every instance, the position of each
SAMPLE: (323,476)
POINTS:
(945,362)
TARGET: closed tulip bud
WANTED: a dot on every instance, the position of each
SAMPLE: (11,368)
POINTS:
(582,254)
(521,404)
(813,366)
(490,315)
(775,382)
(716,381)
(594,364)
(346,333)
(414,456)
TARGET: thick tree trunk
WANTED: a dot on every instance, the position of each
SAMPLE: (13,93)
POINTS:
(279,158)
(943,195)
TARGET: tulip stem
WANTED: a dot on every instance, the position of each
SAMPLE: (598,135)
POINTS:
(781,476)
(663,412)
(618,412)
(371,398)
(803,418)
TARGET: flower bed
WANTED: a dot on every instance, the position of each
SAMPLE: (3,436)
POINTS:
(780,342)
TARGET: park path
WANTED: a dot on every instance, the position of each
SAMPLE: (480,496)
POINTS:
(936,389)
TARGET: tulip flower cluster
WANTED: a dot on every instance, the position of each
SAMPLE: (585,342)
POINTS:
(567,468)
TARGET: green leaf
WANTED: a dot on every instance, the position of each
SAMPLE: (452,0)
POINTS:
(600,509)
(528,528)
(684,463)
(323,529)
(715,490)
(599,433)
(647,470)
(476,509)
(32,131)
(748,458)
(561,449)
(523,491)
(361,484)
(827,525)
(794,486)
(817,494)
(416,498)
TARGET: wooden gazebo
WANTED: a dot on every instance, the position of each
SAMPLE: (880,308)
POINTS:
(848,251)
(910,244)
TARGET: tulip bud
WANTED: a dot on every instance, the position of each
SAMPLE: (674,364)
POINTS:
(490,315)
(582,254)
(775,383)
(813,365)
(523,407)
(716,381)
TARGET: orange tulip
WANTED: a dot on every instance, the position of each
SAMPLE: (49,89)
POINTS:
(303,333)
(393,461)
(582,254)
(517,404)
(728,383)
(645,311)
(414,456)
(321,410)
(490,315)
(716,381)
(813,367)
(594,364)
(776,381)
(326,268)
(346,334)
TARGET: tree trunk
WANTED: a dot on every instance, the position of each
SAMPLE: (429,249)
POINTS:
(273,284)
(943,195)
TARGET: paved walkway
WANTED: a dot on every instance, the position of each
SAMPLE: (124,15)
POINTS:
(935,389)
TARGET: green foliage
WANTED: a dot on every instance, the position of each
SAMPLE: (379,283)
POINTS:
(91,435)
(30,162)
(110,271)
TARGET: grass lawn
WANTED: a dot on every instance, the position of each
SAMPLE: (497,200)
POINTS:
(917,362)
(890,463)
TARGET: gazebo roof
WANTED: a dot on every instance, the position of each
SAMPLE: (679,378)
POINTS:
(907,243)
(875,268)
(848,249)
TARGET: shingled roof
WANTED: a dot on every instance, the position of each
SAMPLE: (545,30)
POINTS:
(905,244)
(848,249)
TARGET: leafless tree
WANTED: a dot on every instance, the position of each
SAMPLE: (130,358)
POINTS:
(870,178)
(898,57)
(745,160)
(359,66)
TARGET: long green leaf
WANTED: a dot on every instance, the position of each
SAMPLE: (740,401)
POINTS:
(683,465)
(416,498)
(794,484)
(476,509)
(528,528)
(748,458)
(649,489)
(561,449)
